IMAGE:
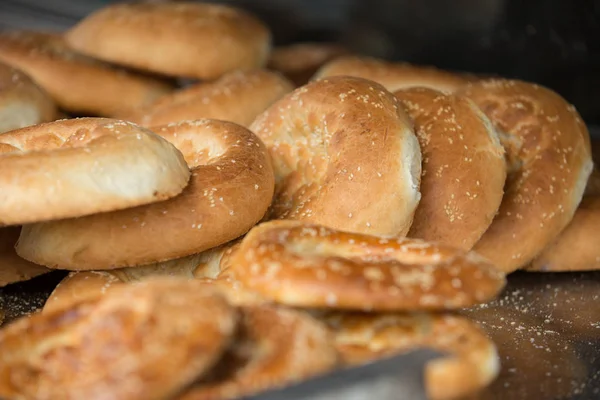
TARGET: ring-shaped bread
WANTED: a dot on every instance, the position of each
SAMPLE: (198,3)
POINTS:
(229,192)
(71,168)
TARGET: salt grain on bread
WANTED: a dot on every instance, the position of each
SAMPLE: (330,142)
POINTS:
(549,162)
(77,83)
(304,265)
(184,39)
(463,167)
(393,76)
(300,61)
(471,363)
(576,248)
(139,341)
(12,267)
(22,101)
(274,347)
(236,97)
(77,167)
(230,190)
(344,156)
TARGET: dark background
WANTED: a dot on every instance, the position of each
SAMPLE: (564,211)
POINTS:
(552,42)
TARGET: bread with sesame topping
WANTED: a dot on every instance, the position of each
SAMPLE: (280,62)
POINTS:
(305,265)
(184,39)
(576,248)
(77,167)
(344,155)
(463,167)
(549,161)
(78,83)
(393,76)
(236,97)
(22,101)
(230,190)
(472,360)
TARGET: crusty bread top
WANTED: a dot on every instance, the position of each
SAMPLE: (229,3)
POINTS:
(393,76)
(344,155)
(22,101)
(549,162)
(181,39)
(463,167)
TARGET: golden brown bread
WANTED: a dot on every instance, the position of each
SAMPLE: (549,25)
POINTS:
(393,76)
(344,155)
(463,167)
(472,361)
(305,265)
(12,267)
(576,248)
(22,101)
(71,168)
(300,61)
(236,97)
(186,39)
(549,162)
(273,348)
(230,190)
(77,83)
(139,341)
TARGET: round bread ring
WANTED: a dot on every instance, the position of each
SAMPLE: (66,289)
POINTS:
(334,144)
(300,61)
(236,97)
(463,168)
(549,162)
(184,39)
(393,76)
(78,83)
(230,190)
(472,364)
(12,267)
(316,267)
(22,101)
(274,347)
(79,285)
(133,330)
(77,167)
(576,248)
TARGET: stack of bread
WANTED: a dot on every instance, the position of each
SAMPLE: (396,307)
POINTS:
(254,228)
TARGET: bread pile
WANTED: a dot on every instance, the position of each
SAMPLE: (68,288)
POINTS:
(256,229)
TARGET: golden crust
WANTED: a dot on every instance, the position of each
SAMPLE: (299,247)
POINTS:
(22,101)
(77,167)
(274,347)
(230,190)
(118,345)
(12,267)
(549,162)
(180,39)
(312,266)
(344,156)
(236,97)
(393,76)
(472,362)
(77,83)
(576,248)
(463,168)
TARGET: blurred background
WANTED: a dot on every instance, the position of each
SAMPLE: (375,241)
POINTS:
(552,42)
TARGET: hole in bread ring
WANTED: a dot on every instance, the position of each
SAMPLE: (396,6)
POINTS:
(119,345)
(71,168)
(549,161)
(313,266)
(334,144)
(274,347)
(472,361)
(230,190)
